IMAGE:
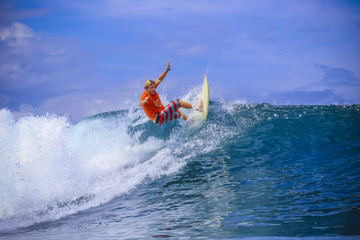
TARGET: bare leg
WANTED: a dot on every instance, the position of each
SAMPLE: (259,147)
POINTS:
(185,104)
(183,115)
(189,106)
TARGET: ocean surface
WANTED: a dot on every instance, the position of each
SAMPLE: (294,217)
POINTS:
(252,171)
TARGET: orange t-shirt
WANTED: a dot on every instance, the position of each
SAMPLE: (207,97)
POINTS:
(153,106)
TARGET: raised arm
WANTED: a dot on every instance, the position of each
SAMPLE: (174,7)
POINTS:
(163,75)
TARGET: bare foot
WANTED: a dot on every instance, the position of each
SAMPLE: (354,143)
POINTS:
(201,107)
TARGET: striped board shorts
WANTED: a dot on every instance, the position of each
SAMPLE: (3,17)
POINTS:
(170,112)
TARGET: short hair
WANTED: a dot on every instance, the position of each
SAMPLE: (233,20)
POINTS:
(148,83)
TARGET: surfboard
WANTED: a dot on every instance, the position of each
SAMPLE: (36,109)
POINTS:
(205,98)
(204,103)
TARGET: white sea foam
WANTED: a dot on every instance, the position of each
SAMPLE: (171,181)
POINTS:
(51,168)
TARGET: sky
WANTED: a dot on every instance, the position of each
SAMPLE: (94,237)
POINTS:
(79,58)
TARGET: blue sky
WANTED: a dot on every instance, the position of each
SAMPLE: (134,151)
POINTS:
(84,57)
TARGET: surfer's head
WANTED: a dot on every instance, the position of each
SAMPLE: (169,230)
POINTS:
(150,87)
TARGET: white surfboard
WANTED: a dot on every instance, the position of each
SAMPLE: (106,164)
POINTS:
(205,98)
(204,103)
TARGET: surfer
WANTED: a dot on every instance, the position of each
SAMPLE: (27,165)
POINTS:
(152,106)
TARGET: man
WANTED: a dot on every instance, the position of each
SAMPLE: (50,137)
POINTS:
(152,106)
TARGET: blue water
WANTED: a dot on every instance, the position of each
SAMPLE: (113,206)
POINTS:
(254,171)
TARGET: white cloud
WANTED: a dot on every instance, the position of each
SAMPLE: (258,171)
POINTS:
(16,31)
(83,104)
(30,59)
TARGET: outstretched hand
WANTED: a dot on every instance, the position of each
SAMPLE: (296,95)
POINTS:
(163,75)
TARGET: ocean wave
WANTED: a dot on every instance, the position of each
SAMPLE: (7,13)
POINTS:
(51,168)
